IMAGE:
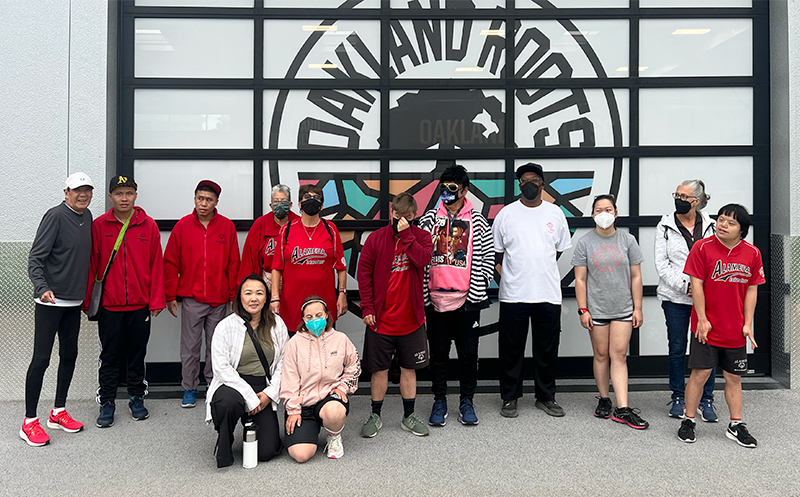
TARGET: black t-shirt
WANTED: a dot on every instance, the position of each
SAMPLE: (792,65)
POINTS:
(691,237)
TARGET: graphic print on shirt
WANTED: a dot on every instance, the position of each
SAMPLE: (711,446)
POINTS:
(400,263)
(308,256)
(269,249)
(607,258)
(451,242)
(731,272)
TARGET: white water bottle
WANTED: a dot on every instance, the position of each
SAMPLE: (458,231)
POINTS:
(250,445)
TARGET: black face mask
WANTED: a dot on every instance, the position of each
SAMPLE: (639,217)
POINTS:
(394,224)
(311,206)
(530,190)
(682,206)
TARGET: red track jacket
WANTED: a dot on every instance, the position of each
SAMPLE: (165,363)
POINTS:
(259,248)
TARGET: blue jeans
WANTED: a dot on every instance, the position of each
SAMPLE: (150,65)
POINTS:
(678,317)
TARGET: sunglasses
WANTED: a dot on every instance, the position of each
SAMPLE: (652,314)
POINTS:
(450,187)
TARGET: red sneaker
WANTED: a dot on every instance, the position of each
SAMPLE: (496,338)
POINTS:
(34,434)
(64,421)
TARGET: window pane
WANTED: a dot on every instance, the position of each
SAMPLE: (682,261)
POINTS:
(194,48)
(696,47)
(447,49)
(321,49)
(321,119)
(193,119)
(696,116)
(647,242)
(166,187)
(696,3)
(653,333)
(448,4)
(570,4)
(572,49)
(322,4)
(727,180)
(571,118)
(194,3)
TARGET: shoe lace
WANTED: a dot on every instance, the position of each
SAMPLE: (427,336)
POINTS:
(634,414)
(707,404)
(675,402)
(439,408)
(467,407)
(605,402)
(64,417)
(36,428)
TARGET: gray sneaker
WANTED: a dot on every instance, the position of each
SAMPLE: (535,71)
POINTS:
(551,407)
(509,409)
(415,425)
(371,426)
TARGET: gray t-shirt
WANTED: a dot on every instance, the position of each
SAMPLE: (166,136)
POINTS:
(608,260)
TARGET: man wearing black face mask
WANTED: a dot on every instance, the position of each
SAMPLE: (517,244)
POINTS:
(528,236)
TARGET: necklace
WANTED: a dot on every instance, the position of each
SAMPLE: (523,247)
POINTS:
(310,236)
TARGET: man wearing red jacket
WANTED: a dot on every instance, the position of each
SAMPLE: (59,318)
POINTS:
(390,274)
(200,266)
(259,248)
(133,292)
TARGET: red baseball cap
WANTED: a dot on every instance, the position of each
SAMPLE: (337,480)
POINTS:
(210,184)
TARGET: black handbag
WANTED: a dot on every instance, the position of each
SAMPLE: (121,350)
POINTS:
(96,299)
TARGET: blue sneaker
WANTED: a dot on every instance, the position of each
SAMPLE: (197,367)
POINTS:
(466,413)
(189,398)
(678,409)
(438,413)
(106,417)
(706,411)
(138,410)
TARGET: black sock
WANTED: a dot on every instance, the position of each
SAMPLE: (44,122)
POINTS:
(376,407)
(408,407)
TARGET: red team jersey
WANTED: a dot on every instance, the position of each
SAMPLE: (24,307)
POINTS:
(397,316)
(308,267)
(726,274)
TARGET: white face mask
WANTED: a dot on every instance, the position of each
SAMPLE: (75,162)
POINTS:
(604,220)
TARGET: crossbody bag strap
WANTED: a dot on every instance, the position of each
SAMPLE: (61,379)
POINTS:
(259,350)
(116,245)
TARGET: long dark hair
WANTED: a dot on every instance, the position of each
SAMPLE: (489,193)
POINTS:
(264,330)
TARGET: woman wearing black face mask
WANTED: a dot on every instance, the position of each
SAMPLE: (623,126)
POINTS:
(308,251)
(675,235)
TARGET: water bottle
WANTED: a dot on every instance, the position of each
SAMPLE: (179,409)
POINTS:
(250,445)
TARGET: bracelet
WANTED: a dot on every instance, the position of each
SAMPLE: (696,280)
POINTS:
(343,291)
(275,299)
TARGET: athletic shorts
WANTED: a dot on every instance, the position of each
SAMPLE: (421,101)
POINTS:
(705,356)
(411,350)
(606,322)
(308,431)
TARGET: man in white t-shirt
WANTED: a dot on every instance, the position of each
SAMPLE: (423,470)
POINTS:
(529,234)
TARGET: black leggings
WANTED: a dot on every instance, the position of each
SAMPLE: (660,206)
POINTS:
(49,320)
(227,409)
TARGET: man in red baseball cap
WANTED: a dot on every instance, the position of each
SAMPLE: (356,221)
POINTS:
(201,264)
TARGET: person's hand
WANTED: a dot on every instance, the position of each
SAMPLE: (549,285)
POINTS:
(275,307)
(369,320)
(638,318)
(586,320)
(340,393)
(48,297)
(292,421)
(155,312)
(703,327)
(172,307)
(402,224)
(341,304)
(263,403)
(748,332)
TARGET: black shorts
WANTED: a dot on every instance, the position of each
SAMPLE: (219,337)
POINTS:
(606,322)
(411,350)
(308,431)
(705,356)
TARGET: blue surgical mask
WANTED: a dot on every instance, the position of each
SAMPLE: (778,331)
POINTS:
(317,326)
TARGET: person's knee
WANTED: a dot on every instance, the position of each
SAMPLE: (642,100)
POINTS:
(333,412)
(302,452)
(408,373)
(732,379)
(700,375)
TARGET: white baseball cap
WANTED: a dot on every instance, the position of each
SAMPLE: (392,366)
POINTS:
(77,180)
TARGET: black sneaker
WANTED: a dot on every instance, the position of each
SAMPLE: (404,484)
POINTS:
(509,409)
(686,431)
(551,407)
(603,408)
(742,437)
(629,417)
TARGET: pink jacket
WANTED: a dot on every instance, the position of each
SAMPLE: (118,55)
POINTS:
(312,367)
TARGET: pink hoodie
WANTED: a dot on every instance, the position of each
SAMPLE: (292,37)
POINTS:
(312,367)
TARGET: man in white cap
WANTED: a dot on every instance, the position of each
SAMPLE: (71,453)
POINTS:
(58,267)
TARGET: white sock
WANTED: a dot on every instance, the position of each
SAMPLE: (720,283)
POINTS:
(691,419)
(31,420)
(735,422)
(334,433)
(57,410)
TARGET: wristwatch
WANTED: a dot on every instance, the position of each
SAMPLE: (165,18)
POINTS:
(582,311)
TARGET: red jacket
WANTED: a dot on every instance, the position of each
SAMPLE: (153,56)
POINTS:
(202,263)
(136,277)
(259,248)
(375,265)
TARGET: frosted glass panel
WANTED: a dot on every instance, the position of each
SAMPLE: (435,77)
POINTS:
(166,187)
(321,4)
(727,180)
(449,4)
(194,48)
(321,49)
(193,119)
(696,3)
(575,340)
(194,3)
(571,4)
(696,47)
(696,116)
(647,237)
(653,333)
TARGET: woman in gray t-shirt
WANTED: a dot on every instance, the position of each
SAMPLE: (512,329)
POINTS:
(608,287)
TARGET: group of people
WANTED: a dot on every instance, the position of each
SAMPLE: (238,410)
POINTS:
(268,318)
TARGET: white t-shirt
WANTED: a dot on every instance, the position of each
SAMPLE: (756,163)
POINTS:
(530,237)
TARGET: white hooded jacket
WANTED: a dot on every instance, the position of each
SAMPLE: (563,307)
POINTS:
(671,252)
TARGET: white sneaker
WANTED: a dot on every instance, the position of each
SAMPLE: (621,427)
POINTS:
(334,448)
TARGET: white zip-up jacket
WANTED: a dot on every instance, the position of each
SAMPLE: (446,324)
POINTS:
(671,252)
(226,350)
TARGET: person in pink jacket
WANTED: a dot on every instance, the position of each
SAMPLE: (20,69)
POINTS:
(320,369)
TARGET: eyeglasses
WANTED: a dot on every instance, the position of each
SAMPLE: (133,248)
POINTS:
(309,196)
(535,181)
(681,196)
(450,187)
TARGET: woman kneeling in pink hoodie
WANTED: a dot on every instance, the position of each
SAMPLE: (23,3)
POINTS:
(320,369)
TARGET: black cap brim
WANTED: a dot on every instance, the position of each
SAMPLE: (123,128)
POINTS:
(530,167)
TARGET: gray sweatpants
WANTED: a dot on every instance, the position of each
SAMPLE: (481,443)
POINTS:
(196,318)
